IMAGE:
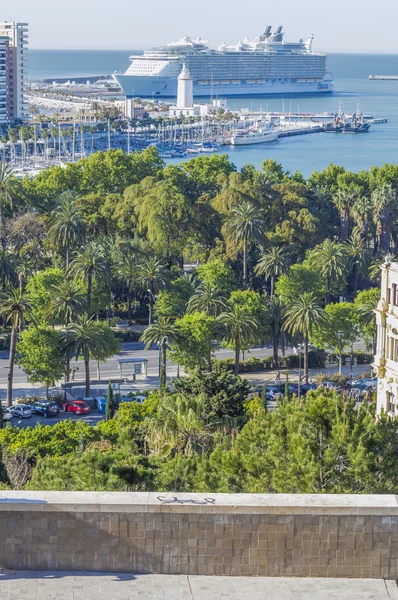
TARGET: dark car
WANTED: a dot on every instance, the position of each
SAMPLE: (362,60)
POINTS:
(293,387)
(46,409)
(307,387)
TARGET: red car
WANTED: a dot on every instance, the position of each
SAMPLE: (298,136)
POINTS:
(78,406)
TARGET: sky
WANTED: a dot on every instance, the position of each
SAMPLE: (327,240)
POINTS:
(338,26)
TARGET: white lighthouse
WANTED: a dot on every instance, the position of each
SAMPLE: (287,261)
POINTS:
(185,89)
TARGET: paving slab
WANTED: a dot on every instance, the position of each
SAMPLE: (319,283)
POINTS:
(59,585)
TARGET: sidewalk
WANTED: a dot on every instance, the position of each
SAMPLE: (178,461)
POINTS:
(34,585)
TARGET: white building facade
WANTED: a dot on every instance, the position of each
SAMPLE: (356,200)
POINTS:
(386,359)
(4,87)
(17,34)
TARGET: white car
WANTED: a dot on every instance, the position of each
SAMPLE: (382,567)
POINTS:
(7,415)
(21,410)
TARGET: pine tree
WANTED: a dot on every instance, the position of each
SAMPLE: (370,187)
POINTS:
(287,388)
(110,404)
(264,396)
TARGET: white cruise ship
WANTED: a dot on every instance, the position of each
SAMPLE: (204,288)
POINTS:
(267,65)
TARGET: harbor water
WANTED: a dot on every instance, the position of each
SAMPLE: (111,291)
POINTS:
(304,153)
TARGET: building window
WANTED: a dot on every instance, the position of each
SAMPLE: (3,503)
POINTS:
(394,294)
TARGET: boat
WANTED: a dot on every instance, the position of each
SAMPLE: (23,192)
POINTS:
(268,65)
(259,134)
(208,147)
(343,123)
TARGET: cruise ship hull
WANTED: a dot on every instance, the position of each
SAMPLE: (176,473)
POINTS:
(166,87)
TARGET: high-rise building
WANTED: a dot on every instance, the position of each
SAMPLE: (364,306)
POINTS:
(4,87)
(17,34)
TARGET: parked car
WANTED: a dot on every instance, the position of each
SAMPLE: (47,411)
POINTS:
(7,414)
(78,407)
(23,411)
(45,408)
(273,392)
(307,387)
(293,387)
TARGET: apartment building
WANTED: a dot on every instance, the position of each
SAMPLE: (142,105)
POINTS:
(16,68)
(386,359)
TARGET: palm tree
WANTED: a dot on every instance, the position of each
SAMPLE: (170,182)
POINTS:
(152,276)
(181,425)
(67,224)
(88,263)
(163,331)
(358,254)
(24,270)
(7,186)
(240,327)
(278,337)
(385,213)
(331,263)
(301,317)
(343,200)
(125,268)
(8,268)
(207,299)
(84,339)
(272,264)
(362,213)
(245,224)
(14,308)
(67,302)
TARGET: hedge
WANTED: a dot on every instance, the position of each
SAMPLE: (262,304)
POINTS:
(316,359)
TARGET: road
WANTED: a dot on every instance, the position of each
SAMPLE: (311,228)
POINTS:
(110,370)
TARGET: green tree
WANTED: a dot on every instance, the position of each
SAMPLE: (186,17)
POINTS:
(207,299)
(85,338)
(301,317)
(245,225)
(152,277)
(90,262)
(7,191)
(163,332)
(300,279)
(330,260)
(338,331)
(277,336)
(66,225)
(224,393)
(67,302)
(366,303)
(40,354)
(239,327)
(39,291)
(110,404)
(173,301)
(385,213)
(272,264)
(193,348)
(15,307)
(125,268)
(218,275)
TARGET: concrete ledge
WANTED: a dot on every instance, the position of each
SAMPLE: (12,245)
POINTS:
(264,535)
(155,502)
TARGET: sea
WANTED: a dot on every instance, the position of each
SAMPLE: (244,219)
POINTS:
(305,153)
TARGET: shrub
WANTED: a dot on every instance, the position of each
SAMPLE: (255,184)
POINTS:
(126,335)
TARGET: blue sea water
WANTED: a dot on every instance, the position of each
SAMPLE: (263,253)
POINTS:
(304,153)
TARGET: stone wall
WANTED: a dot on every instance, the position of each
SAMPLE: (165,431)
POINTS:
(213,534)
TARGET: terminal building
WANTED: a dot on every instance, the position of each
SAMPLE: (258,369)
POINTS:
(13,70)
(386,359)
